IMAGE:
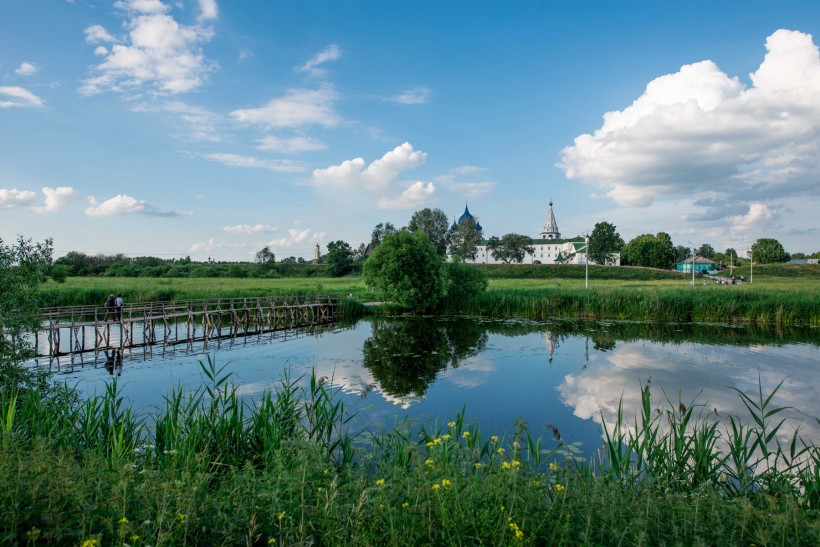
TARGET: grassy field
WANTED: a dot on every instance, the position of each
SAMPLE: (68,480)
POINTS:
(214,469)
(786,299)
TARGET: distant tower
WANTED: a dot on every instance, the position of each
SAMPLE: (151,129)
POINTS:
(550,229)
(317,254)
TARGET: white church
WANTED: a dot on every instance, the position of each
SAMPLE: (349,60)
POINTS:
(549,248)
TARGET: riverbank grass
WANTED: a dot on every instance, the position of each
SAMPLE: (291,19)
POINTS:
(210,468)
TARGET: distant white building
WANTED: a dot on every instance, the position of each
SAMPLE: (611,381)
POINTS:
(550,248)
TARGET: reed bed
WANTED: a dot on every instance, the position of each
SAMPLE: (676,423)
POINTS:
(676,304)
(211,468)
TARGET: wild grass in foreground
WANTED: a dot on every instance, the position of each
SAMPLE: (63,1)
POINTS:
(210,468)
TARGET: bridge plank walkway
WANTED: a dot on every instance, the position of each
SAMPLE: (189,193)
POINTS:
(69,330)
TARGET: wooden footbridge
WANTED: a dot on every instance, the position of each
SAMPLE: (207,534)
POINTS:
(74,330)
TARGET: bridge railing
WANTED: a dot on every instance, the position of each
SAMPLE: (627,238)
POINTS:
(176,307)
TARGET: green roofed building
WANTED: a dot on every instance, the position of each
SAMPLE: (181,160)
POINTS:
(550,247)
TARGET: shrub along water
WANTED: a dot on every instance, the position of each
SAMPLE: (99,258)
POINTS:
(211,468)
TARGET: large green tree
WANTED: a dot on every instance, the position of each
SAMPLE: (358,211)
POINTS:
(706,251)
(339,258)
(604,242)
(768,250)
(380,231)
(464,239)
(651,251)
(23,267)
(406,269)
(434,224)
(510,248)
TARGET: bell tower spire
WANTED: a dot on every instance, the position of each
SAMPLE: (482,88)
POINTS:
(550,229)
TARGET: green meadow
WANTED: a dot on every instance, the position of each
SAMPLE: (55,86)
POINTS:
(777,295)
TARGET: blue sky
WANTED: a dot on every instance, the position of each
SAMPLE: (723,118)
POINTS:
(213,128)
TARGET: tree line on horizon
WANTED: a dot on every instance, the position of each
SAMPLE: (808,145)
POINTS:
(458,241)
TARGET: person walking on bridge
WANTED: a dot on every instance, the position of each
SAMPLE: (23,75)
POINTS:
(110,307)
(118,305)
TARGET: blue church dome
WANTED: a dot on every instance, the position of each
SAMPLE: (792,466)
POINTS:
(465,215)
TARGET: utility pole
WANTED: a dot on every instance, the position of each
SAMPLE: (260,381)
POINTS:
(586,278)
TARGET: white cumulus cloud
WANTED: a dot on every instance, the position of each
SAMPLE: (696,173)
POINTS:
(56,198)
(14,96)
(122,204)
(297,108)
(158,53)
(355,173)
(296,237)
(700,131)
(26,69)
(250,229)
(12,198)
(416,195)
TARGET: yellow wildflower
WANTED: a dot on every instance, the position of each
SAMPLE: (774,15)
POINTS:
(381,506)
(326,472)
(405,505)
(505,465)
(281,515)
(466,434)
(135,538)
(429,462)
(559,487)
(181,517)
(123,520)
(446,482)
(380,482)
(451,424)
(90,543)
(477,465)
(436,486)
(271,541)
(446,436)
(516,463)
(429,444)
(516,444)
(500,451)
(553,466)
(436,441)
(494,438)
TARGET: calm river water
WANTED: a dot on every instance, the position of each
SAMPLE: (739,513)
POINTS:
(568,374)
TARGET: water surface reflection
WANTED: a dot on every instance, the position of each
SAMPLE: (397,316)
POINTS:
(571,374)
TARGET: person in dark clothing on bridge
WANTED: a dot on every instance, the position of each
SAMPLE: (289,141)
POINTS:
(110,307)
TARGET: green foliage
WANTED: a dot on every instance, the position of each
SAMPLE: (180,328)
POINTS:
(434,224)
(604,242)
(380,231)
(339,258)
(510,248)
(464,239)
(767,251)
(406,270)
(465,282)
(265,256)
(23,267)
(706,251)
(214,469)
(574,271)
(649,251)
(59,273)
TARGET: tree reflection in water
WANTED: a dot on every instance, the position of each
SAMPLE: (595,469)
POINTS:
(406,355)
